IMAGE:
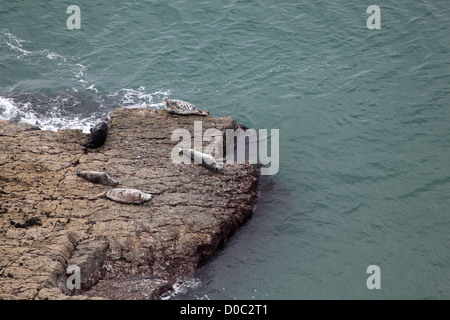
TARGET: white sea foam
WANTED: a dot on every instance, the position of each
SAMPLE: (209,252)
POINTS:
(181,286)
(16,45)
(53,119)
(53,113)
(18,48)
(138,98)
(7,108)
(53,56)
(13,43)
(92,88)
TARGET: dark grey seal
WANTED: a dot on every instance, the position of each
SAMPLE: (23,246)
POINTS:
(98,135)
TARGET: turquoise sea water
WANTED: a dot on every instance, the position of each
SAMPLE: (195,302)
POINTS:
(363,117)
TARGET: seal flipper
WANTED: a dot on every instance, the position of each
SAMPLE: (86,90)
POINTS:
(100,195)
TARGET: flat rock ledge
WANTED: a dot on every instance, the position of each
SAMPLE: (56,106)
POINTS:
(50,219)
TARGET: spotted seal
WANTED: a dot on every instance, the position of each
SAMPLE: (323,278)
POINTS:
(182,107)
(205,159)
(127,196)
(97,177)
(98,135)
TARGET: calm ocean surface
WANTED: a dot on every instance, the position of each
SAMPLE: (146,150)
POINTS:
(364,120)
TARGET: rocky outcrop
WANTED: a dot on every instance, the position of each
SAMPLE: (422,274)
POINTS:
(51,219)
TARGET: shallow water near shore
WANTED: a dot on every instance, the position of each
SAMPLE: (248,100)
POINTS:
(363,117)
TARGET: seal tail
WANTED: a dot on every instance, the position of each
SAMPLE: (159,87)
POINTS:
(98,196)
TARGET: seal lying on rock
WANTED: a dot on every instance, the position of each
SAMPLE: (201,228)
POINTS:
(127,196)
(98,135)
(97,177)
(205,159)
(182,107)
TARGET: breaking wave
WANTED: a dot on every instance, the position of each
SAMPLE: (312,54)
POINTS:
(73,110)
(181,286)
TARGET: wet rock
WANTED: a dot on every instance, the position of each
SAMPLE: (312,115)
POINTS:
(50,219)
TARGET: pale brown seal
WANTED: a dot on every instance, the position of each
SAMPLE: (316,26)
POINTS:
(205,159)
(127,196)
